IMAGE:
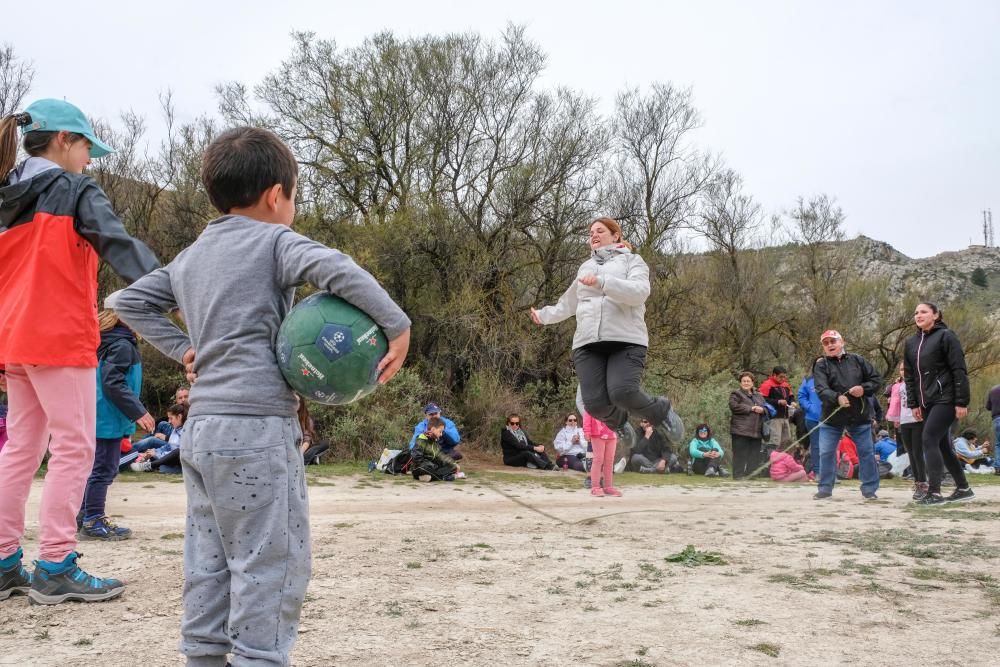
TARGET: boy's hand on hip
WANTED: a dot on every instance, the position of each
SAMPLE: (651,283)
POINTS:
(394,358)
(188,361)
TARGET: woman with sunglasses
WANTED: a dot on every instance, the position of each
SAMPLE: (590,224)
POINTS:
(571,445)
(519,450)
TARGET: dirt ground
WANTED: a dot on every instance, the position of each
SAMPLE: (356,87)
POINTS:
(461,574)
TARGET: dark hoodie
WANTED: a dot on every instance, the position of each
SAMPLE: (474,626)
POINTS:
(834,377)
(119,372)
(55,227)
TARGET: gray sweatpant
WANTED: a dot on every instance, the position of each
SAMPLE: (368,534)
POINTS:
(246,547)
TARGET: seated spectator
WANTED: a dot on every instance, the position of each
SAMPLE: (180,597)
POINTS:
(162,432)
(311,447)
(571,445)
(428,462)
(784,468)
(706,454)
(652,453)
(847,458)
(167,457)
(968,450)
(884,446)
(449,441)
(521,451)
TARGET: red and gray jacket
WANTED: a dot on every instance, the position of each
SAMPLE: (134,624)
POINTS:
(55,227)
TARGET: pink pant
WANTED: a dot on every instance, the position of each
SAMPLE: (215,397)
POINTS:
(604,462)
(797,476)
(45,400)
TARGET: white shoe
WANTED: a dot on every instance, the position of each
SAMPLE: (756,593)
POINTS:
(620,466)
(459,475)
(141,466)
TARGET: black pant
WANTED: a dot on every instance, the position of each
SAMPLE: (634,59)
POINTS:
(609,374)
(911,435)
(700,466)
(937,448)
(106,458)
(573,462)
(523,458)
(746,454)
(171,458)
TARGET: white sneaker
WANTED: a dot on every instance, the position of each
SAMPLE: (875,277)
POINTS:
(141,466)
(459,475)
(620,466)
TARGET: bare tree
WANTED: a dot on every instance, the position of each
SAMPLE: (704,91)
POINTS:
(16,77)
(658,175)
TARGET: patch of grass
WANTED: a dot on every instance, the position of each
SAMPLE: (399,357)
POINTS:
(40,636)
(635,662)
(908,543)
(413,566)
(344,524)
(691,557)
(590,607)
(555,590)
(806,581)
(749,622)
(83,641)
(394,609)
(853,566)
(767,649)
(172,536)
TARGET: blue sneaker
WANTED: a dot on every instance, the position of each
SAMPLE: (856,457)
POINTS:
(14,579)
(671,428)
(102,528)
(58,582)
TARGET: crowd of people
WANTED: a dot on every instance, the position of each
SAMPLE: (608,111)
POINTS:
(241,445)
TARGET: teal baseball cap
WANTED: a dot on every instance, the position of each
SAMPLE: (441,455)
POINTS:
(55,115)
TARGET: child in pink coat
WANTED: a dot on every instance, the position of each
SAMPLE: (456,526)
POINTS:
(604,442)
(785,469)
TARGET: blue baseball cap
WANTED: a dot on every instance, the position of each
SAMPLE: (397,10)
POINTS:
(431,407)
(55,115)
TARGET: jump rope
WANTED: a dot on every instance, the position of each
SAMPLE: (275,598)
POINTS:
(592,519)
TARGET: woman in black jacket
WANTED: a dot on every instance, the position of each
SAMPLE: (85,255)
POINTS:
(937,390)
(747,407)
(521,451)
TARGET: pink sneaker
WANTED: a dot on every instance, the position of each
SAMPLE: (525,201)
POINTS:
(811,476)
(597,492)
(612,491)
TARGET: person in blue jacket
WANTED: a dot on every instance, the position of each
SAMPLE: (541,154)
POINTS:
(813,408)
(119,378)
(448,441)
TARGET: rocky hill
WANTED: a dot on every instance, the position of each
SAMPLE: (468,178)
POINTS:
(946,277)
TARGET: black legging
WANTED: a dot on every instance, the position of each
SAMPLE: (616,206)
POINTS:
(936,439)
(171,458)
(746,453)
(911,435)
(524,457)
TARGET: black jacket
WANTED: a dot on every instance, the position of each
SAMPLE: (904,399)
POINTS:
(654,447)
(510,444)
(834,376)
(934,369)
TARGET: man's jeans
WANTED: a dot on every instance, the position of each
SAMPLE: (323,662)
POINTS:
(861,434)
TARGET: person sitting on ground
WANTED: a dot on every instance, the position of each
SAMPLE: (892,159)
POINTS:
(520,451)
(652,453)
(450,439)
(968,450)
(706,454)
(571,445)
(311,446)
(428,461)
(884,446)
(167,457)
(784,468)
(162,432)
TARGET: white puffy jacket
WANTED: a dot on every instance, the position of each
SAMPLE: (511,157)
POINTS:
(612,310)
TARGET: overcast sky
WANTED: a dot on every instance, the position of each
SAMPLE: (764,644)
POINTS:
(891,107)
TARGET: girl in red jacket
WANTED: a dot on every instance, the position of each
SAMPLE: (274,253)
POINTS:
(55,226)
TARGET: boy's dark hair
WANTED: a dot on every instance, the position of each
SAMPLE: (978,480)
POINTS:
(969,434)
(434,422)
(778,370)
(179,409)
(240,164)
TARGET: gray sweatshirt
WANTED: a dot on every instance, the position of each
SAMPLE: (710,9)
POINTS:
(234,285)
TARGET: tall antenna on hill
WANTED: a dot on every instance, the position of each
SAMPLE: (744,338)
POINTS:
(988,228)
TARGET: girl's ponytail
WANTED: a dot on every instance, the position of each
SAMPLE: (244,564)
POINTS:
(8,141)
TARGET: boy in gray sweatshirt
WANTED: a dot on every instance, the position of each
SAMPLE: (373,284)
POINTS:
(246,547)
